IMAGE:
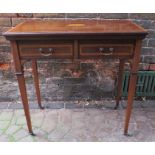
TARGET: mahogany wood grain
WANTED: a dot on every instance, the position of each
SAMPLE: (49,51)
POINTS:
(76,27)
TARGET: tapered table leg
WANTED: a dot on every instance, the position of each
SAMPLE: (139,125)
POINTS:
(22,88)
(21,83)
(36,82)
(132,84)
(131,94)
(120,81)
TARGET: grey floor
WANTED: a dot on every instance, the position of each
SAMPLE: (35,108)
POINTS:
(79,124)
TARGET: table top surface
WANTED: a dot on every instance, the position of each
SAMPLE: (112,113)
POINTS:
(76,27)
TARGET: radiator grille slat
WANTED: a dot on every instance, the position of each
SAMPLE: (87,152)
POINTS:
(153,86)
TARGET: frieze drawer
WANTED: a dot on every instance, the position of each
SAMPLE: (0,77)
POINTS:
(46,50)
(105,50)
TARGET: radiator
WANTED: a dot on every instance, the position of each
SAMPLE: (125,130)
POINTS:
(145,84)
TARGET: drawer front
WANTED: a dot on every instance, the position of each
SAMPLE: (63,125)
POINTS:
(50,50)
(105,50)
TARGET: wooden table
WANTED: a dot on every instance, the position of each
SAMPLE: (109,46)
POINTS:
(76,39)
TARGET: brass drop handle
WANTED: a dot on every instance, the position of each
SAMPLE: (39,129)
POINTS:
(44,53)
(106,51)
(51,50)
(111,49)
(101,49)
